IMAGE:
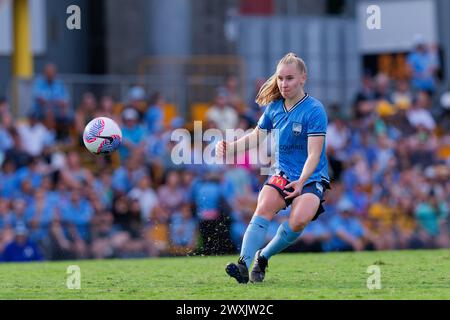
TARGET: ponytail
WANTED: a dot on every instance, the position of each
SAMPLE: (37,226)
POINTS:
(268,92)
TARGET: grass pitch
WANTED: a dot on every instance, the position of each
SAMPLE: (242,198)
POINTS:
(404,275)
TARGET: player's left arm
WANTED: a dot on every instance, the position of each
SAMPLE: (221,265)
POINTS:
(315,146)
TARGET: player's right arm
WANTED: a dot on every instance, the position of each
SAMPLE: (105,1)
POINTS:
(250,140)
(247,142)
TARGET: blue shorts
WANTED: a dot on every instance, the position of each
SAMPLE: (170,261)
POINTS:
(318,188)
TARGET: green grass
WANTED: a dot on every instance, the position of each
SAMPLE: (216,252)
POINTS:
(404,275)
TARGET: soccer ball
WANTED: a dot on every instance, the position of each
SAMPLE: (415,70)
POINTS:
(102,135)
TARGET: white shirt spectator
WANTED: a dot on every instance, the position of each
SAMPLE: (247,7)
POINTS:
(147,201)
(421,117)
(224,118)
(35,136)
(337,136)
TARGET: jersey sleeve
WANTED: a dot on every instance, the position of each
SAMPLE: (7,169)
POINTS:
(317,123)
(265,121)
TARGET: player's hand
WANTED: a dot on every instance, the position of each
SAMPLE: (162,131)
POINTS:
(297,185)
(221,148)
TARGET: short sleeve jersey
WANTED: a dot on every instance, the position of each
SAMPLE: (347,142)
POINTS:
(290,130)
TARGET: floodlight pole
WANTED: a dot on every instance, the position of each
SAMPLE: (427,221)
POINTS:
(22,59)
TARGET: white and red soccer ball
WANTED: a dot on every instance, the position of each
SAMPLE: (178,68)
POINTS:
(102,135)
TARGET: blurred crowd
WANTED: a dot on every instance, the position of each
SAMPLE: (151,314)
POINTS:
(389,164)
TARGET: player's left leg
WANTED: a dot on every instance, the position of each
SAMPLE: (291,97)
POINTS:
(304,208)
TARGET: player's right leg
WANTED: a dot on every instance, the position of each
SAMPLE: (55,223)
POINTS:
(304,208)
(269,203)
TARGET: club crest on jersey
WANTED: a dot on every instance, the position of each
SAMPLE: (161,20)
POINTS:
(296,128)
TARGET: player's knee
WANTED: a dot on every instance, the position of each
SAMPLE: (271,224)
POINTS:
(265,212)
(298,226)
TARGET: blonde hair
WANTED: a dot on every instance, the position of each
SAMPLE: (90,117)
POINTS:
(269,90)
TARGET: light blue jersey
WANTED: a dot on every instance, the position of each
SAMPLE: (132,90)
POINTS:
(305,119)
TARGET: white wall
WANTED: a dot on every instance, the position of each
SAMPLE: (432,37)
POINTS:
(400,21)
(328,46)
(38,26)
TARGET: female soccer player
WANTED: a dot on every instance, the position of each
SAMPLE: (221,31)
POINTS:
(300,168)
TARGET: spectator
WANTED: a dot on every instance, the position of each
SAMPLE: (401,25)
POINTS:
(431,215)
(34,172)
(73,174)
(10,182)
(221,114)
(380,222)
(6,223)
(402,97)
(385,152)
(25,192)
(404,224)
(133,134)
(104,189)
(6,141)
(382,87)
(76,214)
(17,152)
(135,225)
(107,109)
(187,179)
(423,64)
(4,108)
(121,214)
(22,249)
(159,149)
(157,232)
(338,137)
(18,211)
(106,242)
(85,113)
(154,115)
(50,98)
(237,183)
(234,97)
(170,194)
(423,145)
(348,233)
(156,144)
(136,100)
(128,229)
(128,175)
(39,215)
(62,245)
(35,136)
(47,184)
(419,114)
(146,197)
(367,89)
(359,198)
(213,214)
(183,231)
